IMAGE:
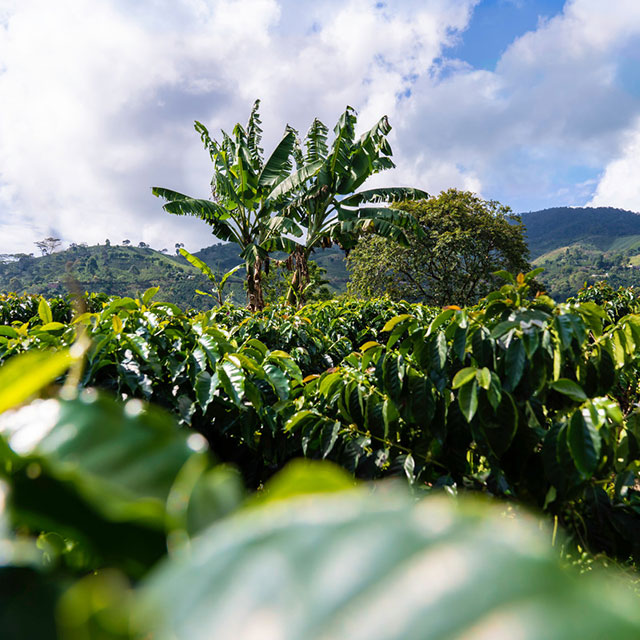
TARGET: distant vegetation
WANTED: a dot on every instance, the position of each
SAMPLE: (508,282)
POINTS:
(578,245)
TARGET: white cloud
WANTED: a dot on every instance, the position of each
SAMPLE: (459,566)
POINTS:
(619,185)
(98,100)
(100,96)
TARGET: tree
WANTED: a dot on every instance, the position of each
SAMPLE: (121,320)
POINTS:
(126,243)
(328,208)
(143,245)
(463,240)
(245,191)
(178,246)
(48,245)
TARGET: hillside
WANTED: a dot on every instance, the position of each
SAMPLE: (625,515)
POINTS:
(117,270)
(599,228)
(128,271)
(583,245)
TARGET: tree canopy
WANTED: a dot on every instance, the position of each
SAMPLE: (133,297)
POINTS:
(464,240)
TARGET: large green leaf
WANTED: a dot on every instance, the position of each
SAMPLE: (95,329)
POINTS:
(569,388)
(278,166)
(123,461)
(384,194)
(26,374)
(295,180)
(379,566)
(584,442)
(199,264)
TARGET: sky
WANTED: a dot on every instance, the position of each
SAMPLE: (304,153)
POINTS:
(534,103)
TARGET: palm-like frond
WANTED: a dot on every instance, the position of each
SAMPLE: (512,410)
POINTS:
(295,180)
(254,136)
(384,194)
(316,142)
(278,166)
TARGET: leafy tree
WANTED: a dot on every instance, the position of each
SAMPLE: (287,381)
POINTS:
(463,241)
(245,192)
(126,243)
(48,245)
(328,208)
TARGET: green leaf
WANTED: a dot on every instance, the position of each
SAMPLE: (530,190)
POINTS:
(52,326)
(204,387)
(494,392)
(483,376)
(304,478)
(9,332)
(439,351)
(232,379)
(149,294)
(584,443)
(44,311)
(122,459)
(505,275)
(463,376)
(393,374)
(515,359)
(299,419)
(569,388)
(199,264)
(278,379)
(356,564)
(295,180)
(24,375)
(397,320)
(278,165)
(468,399)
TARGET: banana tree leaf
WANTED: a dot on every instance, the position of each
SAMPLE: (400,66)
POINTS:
(387,194)
(199,264)
(295,180)
(278,165)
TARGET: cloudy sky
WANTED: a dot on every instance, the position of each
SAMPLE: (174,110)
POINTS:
(534,103)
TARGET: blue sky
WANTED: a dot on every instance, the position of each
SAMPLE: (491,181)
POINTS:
(495,24)
(535,103)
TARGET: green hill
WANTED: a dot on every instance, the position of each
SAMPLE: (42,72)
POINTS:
(599,228)
(118,270)
(583,245)
(574,245)
(129,271)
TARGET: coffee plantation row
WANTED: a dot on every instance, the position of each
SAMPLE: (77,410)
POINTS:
(158,484)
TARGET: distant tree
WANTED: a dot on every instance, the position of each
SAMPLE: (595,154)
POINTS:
(178,246)
(126,243)
(464,240)
(107,242)
(48,245)
(165,250)
(143,245)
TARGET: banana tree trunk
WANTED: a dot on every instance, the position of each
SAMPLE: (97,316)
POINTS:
(255,298)
(300,278)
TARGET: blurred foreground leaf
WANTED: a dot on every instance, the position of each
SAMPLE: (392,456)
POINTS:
(372,565)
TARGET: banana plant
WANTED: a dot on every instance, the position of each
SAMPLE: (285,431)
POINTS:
(207,271)
(328,208)
(243,201)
